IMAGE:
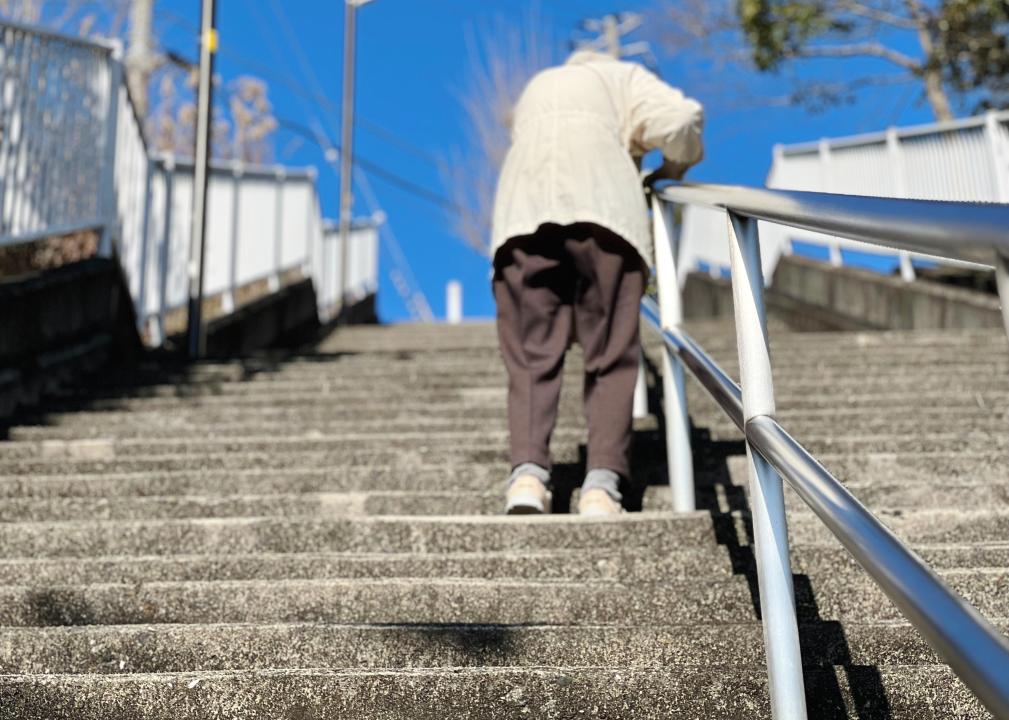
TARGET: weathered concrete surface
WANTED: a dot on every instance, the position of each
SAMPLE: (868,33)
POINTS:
(475,694)
(191,542)
(859,297)
(812,295)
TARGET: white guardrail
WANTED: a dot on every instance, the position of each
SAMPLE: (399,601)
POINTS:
(966,160)
(73,158)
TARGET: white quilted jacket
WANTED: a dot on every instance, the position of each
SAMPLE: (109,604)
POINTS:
(578,132)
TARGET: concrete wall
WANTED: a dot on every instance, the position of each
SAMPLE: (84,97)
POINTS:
(285,318)
(56,325)
(59,325)
(811,295)
(859,298)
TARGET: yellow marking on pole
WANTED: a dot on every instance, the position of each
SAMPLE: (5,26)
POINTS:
(210,40)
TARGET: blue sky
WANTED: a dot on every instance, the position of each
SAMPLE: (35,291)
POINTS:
(413,65)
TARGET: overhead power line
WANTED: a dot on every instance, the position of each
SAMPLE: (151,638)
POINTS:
(332,151)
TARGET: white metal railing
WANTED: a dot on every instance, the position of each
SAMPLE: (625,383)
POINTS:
(973,232)
(54,110)
(964,160)
(73,157)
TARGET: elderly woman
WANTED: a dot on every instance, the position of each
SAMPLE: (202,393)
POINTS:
(572,248)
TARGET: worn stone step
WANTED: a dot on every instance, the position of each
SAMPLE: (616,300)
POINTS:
(977,422)
(363,402)
(406,534)
(596,564)
(265,474)
(211,502)
(474,694)
(854,595)
(490,371)
(385,601)
(123,649)
(355,389)
(717,425)
(455,445)
(317,504)
(485,372)
(703,412)
(295,478)
(455,601)
(420,533)
(909,468)
(673,564)
(925,526)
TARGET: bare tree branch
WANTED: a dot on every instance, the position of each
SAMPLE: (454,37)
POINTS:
(861,50)
(878,15)
(502,58)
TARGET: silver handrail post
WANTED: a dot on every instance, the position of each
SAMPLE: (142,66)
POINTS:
(678,453)
(770,530)
(1002,280)
(641,391)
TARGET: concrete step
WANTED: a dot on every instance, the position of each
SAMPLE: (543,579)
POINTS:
(880,481)
(487,367)
(968,378)
(210,502)
(124,649)
(458,445)
(262,481)
(384,601)
(408,534)
(472,694)
(703,412)
(309,504)
(675,564)
(791,399)
(719,428)
(470,601)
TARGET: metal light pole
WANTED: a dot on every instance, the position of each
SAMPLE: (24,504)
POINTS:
(195,331)
(347,142)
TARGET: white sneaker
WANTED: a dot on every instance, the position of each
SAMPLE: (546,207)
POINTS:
(527,495)
(598,503)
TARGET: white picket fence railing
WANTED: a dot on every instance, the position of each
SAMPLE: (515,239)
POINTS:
(962,160)
(73,158)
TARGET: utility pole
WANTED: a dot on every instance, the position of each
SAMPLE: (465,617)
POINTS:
(196,332)
(347,142)
(141,60)
(610,31)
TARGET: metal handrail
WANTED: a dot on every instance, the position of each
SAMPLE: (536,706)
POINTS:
(976,651)
(974,232)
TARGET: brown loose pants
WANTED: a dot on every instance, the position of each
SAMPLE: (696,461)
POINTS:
(576,282)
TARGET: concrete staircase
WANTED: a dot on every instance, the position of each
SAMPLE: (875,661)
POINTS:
(318,537)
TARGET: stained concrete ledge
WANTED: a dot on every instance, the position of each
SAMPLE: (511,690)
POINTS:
(815,296)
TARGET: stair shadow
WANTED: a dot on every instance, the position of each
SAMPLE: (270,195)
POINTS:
(823,643)
(108,390)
